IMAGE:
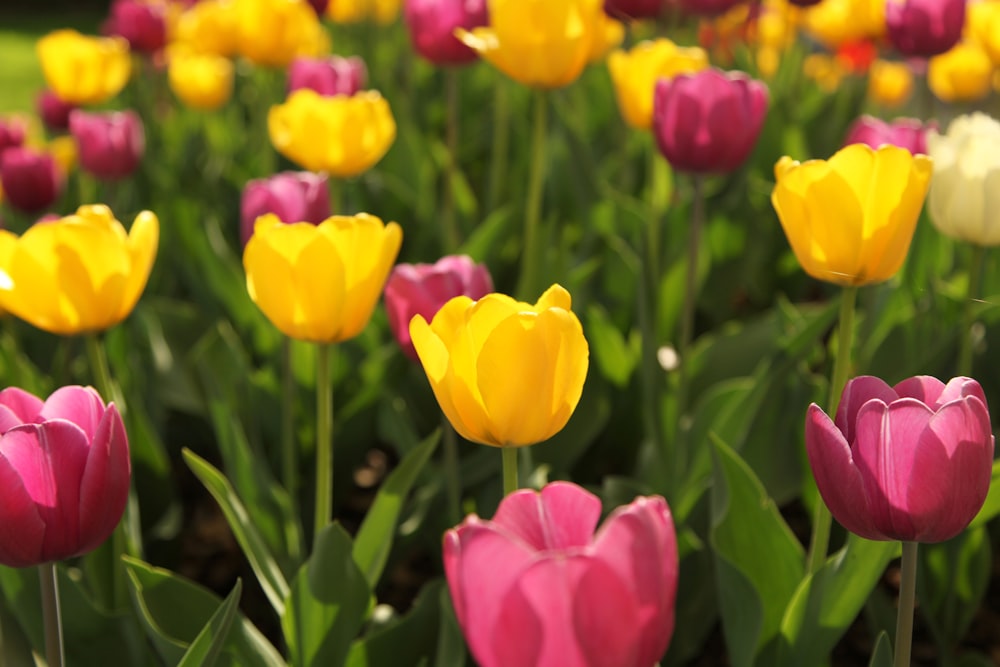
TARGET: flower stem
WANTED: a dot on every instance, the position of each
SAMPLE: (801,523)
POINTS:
(289,451)
(453,486)
(324,439)
(531,258)
(904,614)
(501,141)
(509,469)
(820,541)
(968,311)
(449,226)
(99,368)
(51,616)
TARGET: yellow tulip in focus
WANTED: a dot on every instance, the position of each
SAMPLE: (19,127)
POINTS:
(320,283)
(78,274)
(210,26)
(963,74)
(850,219)
(889,83)
(635,72)
(272,33)
(505,373)
(81,69)
(201,80)
(540,43)
(340,135)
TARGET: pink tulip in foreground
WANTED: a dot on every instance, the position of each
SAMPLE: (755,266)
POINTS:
(910,462)
(908,133)
(64,474)
(535,586)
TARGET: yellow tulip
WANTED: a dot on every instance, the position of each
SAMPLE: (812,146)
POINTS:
(78,274)
(608,34)
(505,373)
(825,70)
(200,80)
(889,83)
(634,74)
(63,149)
(540,43)
(320,282)
(272,33)
(209,26)
(983,25)
(340,135)
(963,74)
(81,69)
(835,22)
(850,219)
(356,11)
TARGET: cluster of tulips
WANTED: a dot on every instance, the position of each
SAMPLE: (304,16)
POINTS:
(539,583)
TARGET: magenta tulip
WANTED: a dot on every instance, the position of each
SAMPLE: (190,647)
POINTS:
(53,111)
(143,24)
(110,144)
(328,76)
(910,462)
(292,196)
(422,289)
(432,25)
(64,474)
(634,9)
(924,28)
(319,6)
(908,133)
(708,7)
(708,121)
(31,180)
(11,133)
(535,586)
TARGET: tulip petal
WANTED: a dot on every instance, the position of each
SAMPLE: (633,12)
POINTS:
(909,176)
(269,260)
(959,388)
(142,244)
(17,407)
(80,405)
(21,527)
(924,388)
(32,292)
(857,392)
(319,279)
(104,483)
(561,516)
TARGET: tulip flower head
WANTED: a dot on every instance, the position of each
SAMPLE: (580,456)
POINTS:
(142,22)
(81,69)
(850,219)
(53,111)
(110,144)
(910,462)
(908,133)
(422,289)
(200,80)
(505,373)
(890,83)
(983,23)
(65,468)
(432,25)
(708,121)
(924,28)
(12,131)
(32,180)
(77,274)
(209,26)
(272,33)
(321,282)
(291,196)
(536,586)
(963,74)
(332,75)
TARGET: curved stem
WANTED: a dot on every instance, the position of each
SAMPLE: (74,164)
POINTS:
(51,615)
(99,368)
(968,311)
(509,469)
(289,451)
(531,258)
(453,485)
(324,439)
(907,595)
(449,225)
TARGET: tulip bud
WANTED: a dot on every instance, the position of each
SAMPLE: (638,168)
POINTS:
(908,133)
(291,196)
(143,24)
(328,76)
(432,25)
(924,28)
(31,180)
(53,111)
(110,144)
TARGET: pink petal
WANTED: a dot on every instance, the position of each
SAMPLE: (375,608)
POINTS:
(21,527)
(839,481)
(856,393)
(80,405)
(562,515)
(105,483)
(924,388)
(958,388)
(17,407)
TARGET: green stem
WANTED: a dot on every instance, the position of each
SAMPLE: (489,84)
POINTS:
(531,258)
(99,368)
(324,439)
(50,615)
(335,186)
(968,311)
(289,452)
(453,485)
(509,469)
(501,141)
(907,595)
(820,540)
(452,238)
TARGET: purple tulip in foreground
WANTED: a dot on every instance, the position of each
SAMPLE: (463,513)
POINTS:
(910,462)
(31,180)
(924,28)
(110,143)
(328,76)
(64,474)
(293,196)
(422,289)
(432,25)
(536,586)
(908,133)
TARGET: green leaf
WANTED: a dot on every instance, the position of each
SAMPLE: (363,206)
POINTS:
(327,604)
(374,539)
(759,562)
(407,641)
(615,356)
(953,577)
(992,505)
(240,522)
(450,641)
(205,648)
(882,655)
(175,611)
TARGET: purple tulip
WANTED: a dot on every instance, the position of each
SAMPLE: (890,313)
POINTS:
(536,586)
(708,121)
(924,28)
(31,180)
(292,196)
(910,462)
(634,9)
(432,25)
(328,76)
(143,24)
(64,474)
(53,111)
(422,289)
(11,133)
(708,7)
(110,144)
(908,133)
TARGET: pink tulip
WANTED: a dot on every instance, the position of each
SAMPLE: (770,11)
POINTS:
(432,25)
(31,180)
(64,474)
(910,462)
(924,28)
(422,289)
(708,7)
(11,133)
(143,24)
(319,6)
(292,196)
(110,144)
(53,111)
(908,133)
(634,9)
(708,121)
(328,76)
(535,586)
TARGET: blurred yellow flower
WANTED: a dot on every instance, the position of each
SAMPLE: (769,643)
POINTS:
(850,219)
(81,69)
(890,83)
(835,22)
(321,282)
(825,70)
(635,72)
(983,25)
(63,149)
(78,274)
(608,33)
(340,135)
(540,43)
(383,12)
(505,373)
(210,26)
(200,80)
(272,33)
(963,74)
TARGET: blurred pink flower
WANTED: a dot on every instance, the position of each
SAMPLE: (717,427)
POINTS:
(634,9)
(908,133)
(432,25)
(12,131)
(31,180)
(924,28)
(328,76)
(292,196)
(110,144)
(53,111)
(142,23)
